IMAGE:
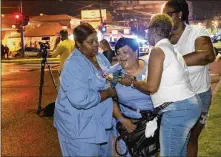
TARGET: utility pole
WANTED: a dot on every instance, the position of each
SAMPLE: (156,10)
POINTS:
(100,11)
(22,31)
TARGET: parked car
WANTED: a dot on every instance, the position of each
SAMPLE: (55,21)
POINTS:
(217,43)
(29,52)
(144,48)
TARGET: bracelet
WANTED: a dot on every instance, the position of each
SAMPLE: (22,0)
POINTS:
(132,82)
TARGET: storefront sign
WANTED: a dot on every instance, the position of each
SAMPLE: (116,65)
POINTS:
(90,15)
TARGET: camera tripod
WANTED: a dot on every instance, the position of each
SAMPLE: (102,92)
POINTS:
(43,64)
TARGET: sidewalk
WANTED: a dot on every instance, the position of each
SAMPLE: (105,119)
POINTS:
(30,60)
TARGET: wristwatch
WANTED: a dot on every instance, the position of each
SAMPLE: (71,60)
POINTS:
(132,82)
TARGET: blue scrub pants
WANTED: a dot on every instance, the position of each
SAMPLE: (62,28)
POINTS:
(75,148)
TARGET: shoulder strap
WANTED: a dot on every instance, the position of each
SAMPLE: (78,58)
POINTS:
(155,111)
(131,108)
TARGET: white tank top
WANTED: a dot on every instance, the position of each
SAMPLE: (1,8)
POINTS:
(175,84)
(199,75)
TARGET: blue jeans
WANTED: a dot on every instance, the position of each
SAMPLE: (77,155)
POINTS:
(177,120)
(76,148)
(206,98)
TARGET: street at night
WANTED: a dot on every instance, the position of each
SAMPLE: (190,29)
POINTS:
(24,133)
(139,71)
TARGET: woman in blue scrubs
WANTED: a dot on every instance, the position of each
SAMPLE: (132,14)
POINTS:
(127,95)
(83,110)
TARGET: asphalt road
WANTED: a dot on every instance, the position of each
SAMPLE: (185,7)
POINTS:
(24,133)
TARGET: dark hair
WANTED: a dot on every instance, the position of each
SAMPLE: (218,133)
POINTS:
(163,24)
(132,43)
(82,31)
(64,33)
(180,5)
(106,44)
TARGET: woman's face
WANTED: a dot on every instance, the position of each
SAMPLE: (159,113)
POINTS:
(89,47)
(102,46)
(174,14)
(150,36)
(126,57)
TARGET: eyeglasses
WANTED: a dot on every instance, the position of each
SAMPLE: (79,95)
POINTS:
(172,12)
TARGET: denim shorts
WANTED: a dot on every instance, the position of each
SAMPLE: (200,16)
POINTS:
(177,120)
(205,98)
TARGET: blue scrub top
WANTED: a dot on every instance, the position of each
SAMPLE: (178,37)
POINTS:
(133,97)
(79,114)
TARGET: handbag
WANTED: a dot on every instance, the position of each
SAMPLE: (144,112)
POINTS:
(137,144)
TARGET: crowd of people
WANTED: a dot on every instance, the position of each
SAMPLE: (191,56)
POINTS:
(95,95)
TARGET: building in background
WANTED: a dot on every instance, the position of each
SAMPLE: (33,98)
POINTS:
(63,20)
(38,28)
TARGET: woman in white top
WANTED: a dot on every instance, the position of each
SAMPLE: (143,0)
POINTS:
(168,81)
(195,45)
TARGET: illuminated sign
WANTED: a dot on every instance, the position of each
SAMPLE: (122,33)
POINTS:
(126,31)
(114,32)
(91,15)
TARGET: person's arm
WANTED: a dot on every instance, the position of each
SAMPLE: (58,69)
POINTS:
(108,93)
(126,122)
(57,41)
(155,70)
(204,52)
(76,85)
(58,51)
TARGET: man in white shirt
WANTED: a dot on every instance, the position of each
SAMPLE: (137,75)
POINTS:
(194,43)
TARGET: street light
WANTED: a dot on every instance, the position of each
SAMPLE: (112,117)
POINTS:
(102,28)
(17,16)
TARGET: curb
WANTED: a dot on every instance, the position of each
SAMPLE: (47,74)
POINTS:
(31,61)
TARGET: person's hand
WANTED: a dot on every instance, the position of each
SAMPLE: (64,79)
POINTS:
(128,124)
(57,41)
(126,80)
(112,92)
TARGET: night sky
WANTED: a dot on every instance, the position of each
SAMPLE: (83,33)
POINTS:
(50,7)
(201,8)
